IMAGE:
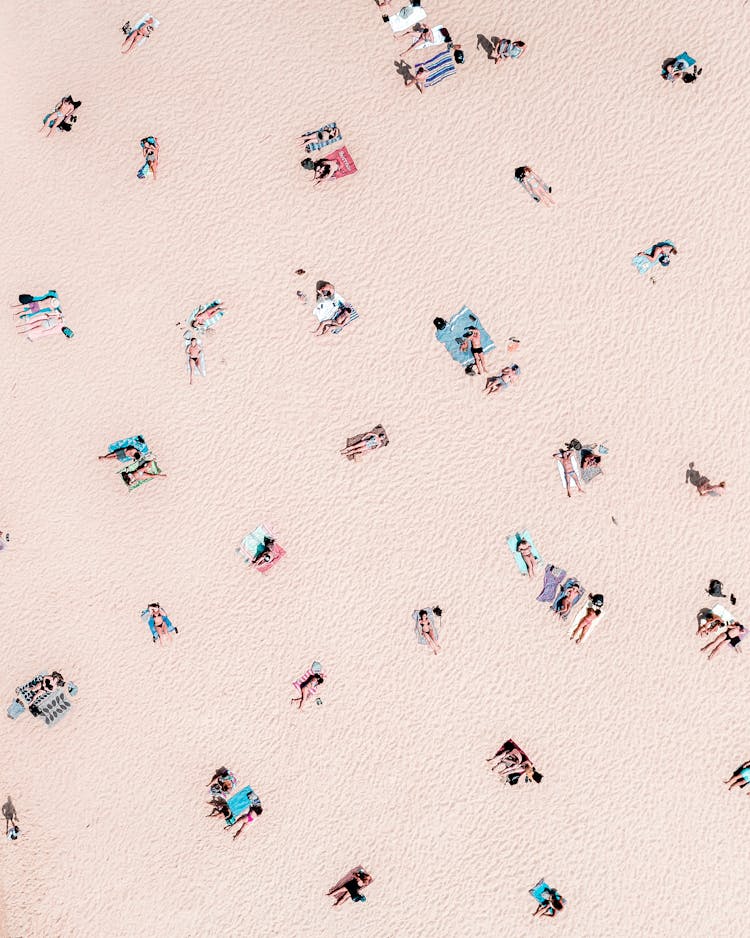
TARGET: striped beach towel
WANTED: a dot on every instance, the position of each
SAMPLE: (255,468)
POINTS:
(327,134)
(440,66)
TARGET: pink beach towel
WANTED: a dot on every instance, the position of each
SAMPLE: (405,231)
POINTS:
(309,673)
(345,161)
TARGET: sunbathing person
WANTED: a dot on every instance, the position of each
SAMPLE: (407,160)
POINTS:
(348,888)
(537,189)
(160,622)
(565,456)
(146,470)
(733,636)
(37,307)
(474,341)
(150,147)
(62,115)
(428,36)
(525,550)
(593,611)
(194,352)
(129,451)
(509,375)
(740,777)
(322,168)
(308,689)
(551,904)
(589,460)
(26,298)
(370,441)
(207,313)
(508,754)
(143,32)
(507,49)
(339,320)
(324,290)
(565,601)
(709,623)
(427,632)
(253,811)
(43,686)
(661,253)
(326,134)
(49,325)
(222,782)
(418,78)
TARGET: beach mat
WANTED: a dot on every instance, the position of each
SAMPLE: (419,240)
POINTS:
(330,134)
(440,66)
(407,16)
(141,22)
(252,542)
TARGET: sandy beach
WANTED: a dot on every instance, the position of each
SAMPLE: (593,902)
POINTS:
(634,730)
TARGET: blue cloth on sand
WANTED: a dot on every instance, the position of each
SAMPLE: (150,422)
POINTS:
(453,336)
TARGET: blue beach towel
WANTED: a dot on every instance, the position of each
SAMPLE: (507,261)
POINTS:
(418,631)
(512,543)
(440,66)
(570,582)
(330,134)
(644,264)
(453,336)
(538,892)
(136,441)
(148,619)
(239,802)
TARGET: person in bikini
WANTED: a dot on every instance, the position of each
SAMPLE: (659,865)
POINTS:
(565,603)
(194,353)
(373,440)
(509,375)
(427,632)
(565,456)
(708,624)
(473,340)
(205,314)
(349,886)
(733,636)
(252,812)
(524,549)
(134,37)
(129,451)
(147,470)
(338,321)
(307,688)
(161,622)
(593,611)
(537,189)
(265,554)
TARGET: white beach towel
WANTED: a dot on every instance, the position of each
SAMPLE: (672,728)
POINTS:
(576,469)
(141,22)
(407,16)
(578,618)
(437,41)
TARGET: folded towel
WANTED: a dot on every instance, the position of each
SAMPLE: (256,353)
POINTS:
(406,17)
(553,576)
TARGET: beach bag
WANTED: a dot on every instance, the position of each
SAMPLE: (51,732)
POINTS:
(458,56)
(15,709)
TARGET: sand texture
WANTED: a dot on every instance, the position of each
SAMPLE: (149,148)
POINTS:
(633,731)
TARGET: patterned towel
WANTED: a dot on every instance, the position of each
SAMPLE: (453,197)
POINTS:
(26,690)
(330,134)
(53,707)
(553,576)
(440,66)
(135,464)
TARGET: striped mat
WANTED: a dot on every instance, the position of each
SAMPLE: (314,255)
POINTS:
(440,66)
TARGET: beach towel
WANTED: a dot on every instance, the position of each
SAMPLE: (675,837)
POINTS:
(644,264)
(418,631)
(211,321)
(136,464)
(512,543)
(553,576)
(440,66)
(239,803)
(353,440)
(406,17)
(568,584)
(26,691)
(681,63)
(137,442)
(148,620)
(141,22)
(542,892)
(591,472)
(312,688)
(252,543)
(581,613)
(327,134)
(345,161)
(452,336)
(52,707)
(723,613)
(576,469)
(437,32)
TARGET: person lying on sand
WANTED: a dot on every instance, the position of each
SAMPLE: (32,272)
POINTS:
(247,817)
(129,451)
(62,115)
(564,603)
(150,147)
(322,168)
(222,782)
(338,321)
(661,252)
(50,324)
(43,685)
(508,755)
(194,353)
(473,340)
(710,623)
(565,456)
(593,611)
(200,318)
(348,888)
(428,35)
(551,904)
(733,636)
(161,622)
(533,184)
(265,554)
(427,632)
(740,777)
(143,32)
(307,689)
(37,307)
(146,470)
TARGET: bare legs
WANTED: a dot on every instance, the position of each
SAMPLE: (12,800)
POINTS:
(715,645)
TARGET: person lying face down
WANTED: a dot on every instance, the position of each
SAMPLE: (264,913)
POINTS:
(253,811)
(308,688)
(734,634)
(593,611)
(511,374)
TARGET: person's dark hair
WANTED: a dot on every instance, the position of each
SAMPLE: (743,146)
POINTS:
(439,323)
(58,677)
(556,902)
(422,612)
(446,34)
(689,77)
(438,611)
(519,172)
(258,809)
(519,44)
(307,163)
(325,168)
(319,678)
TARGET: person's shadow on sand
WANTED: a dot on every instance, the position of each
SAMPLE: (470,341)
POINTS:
(403,69)
(693,476)
(486,45)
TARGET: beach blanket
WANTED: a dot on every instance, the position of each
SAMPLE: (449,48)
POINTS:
(553,576)
(136,464)
(723,614)
(418,631)
(345,161)
(239,803)
(327,135)
(251,546)
(576,469)
(52,707)
(512,543)
(211,321)
(567,585)
(406,17)
(440,66)
(26,691)
(644,264)
(581,613)
(591,472)
(141,22)
(452,336)
(137,442)
(312,688)
(437,41)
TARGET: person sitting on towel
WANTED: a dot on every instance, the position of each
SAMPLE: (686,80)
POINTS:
(130,451)
(551,904)
(322,168)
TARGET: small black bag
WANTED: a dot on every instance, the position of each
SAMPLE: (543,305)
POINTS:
(458,55)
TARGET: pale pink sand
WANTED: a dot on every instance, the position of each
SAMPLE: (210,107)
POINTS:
(633,732)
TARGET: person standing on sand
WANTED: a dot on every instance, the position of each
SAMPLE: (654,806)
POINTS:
(418,78)
(565,456)
(473,340)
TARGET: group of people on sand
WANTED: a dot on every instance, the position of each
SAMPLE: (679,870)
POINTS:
(220,787)
(40,316)
(579,463)
(142,465)
(512,764)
